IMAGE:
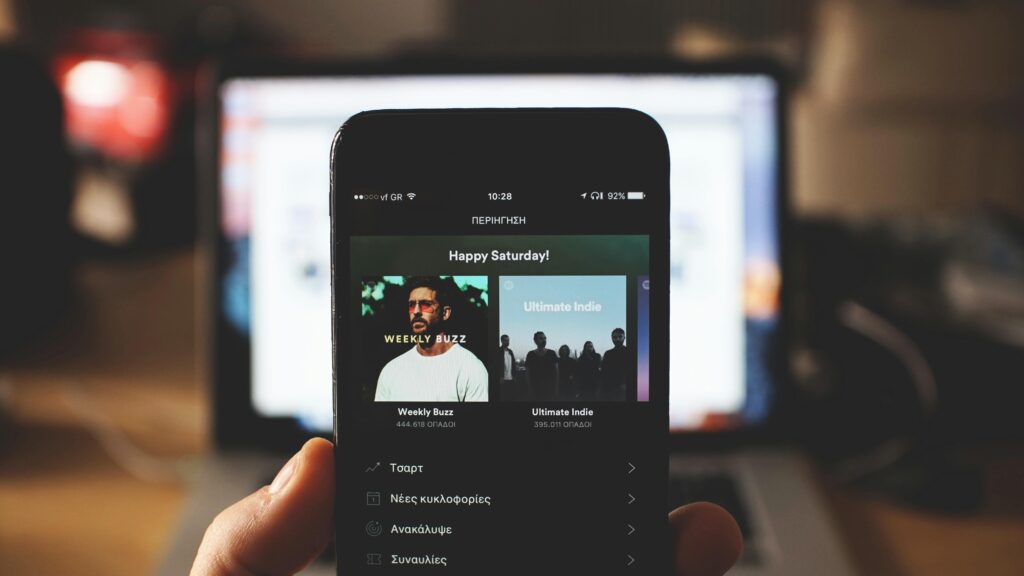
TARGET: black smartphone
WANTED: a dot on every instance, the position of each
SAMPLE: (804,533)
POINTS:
(500,321)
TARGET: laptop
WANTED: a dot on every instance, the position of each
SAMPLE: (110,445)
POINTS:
(266,145)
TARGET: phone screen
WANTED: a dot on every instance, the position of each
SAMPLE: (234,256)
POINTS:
(500,297)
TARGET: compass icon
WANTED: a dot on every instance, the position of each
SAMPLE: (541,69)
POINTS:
(374,528)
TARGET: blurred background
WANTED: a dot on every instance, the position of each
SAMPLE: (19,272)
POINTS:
(905,252)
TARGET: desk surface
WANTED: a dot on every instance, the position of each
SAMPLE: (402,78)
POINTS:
(125,354)
(123,366)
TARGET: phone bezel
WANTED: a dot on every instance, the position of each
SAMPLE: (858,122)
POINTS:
(460,151)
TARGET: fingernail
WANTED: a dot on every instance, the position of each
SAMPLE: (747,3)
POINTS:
(286,473)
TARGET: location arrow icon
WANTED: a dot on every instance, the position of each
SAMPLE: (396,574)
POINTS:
(630,529)
(631,468)
(630,499)
(629,560)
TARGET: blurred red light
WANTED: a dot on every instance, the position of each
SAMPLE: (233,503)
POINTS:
(120,106)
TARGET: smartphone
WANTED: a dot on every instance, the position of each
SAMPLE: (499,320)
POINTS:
(500,322)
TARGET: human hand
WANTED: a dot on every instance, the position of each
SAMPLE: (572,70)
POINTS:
(281,528)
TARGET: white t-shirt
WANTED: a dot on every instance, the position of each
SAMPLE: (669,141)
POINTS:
(455,376)
(508,364)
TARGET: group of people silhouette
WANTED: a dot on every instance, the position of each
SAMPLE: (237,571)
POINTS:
(566,376)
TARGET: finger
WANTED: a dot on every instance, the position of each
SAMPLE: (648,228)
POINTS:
(278,529)
(707,540)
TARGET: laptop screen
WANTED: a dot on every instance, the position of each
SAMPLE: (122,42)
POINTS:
(725,275)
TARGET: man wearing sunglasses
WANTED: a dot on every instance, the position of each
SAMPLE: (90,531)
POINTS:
(436,368)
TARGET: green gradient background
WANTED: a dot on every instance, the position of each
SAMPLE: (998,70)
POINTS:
(428,255)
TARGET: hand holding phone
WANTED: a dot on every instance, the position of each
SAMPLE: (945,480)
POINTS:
(282,528)
(500,342)
(561,183)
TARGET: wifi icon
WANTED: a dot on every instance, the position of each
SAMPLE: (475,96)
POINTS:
(411,195)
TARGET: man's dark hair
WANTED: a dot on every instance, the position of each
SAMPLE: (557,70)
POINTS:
(439,286)
(535,334)
(619,331)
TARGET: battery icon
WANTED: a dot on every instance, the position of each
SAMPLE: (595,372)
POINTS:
(634,195)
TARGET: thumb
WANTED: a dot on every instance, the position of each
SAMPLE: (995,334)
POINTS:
(278,529)
(707,539)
